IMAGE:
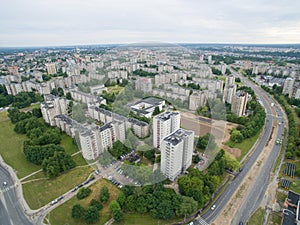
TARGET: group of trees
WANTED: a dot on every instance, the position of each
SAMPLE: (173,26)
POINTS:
(248,126)
(139,117)
(143,73)
(21,100)
(91,214)
(58,92)
(42,146)
(216,71)
(160,202)
(201,186)
(293,145)
(118,149)
(116,211)
(206,141)
(150,155)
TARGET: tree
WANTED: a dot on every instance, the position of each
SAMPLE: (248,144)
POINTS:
(68,96)
(188,205)
(77,211)
(83,193)
(236,136)
(121,199)
(196,159)
(116,210)
(96,204)
(104,194)
(156,111)
(91,215)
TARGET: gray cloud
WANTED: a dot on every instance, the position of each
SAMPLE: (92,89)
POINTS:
(56,22)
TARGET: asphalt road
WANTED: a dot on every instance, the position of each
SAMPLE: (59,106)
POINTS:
(260,186)
(11,212)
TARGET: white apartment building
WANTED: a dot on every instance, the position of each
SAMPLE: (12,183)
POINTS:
(229,92)
(197,99)
(163,125)
(53,106)
(176,153)
(51,68)
(288,86)
(239,103)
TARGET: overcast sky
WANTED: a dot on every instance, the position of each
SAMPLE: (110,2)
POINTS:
(67,22)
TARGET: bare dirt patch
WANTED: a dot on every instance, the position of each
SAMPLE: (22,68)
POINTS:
(220,129)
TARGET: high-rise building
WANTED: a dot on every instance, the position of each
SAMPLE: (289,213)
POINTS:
(13,70)
(230,89)
(229,92)
(163,125)
(53,106)
(176,153)
(51,68)
(288,86)
(239,103)
(197,99)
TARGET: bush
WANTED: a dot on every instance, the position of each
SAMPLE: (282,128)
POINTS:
(83,193)
(77,211)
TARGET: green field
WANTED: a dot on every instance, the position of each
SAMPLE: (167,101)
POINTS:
(244,146)
(40,192)
(62,214)
(11,148)
(68,145)
(257,217)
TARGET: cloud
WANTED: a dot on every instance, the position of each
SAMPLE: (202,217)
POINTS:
(56,22)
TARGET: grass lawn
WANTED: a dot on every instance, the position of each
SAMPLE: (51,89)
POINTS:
(62,214)
(79,160)
(280,197)
(274,219)
(39,193)
(257,217)
(68,145)
(115,89)
(245,146)
(11,148)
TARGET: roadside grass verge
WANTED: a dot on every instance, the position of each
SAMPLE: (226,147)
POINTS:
(62,214)
(40,192)
(244,146)
(274,219)
(257,217)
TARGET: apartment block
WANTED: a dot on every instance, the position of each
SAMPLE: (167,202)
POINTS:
(163,125)
(176,153)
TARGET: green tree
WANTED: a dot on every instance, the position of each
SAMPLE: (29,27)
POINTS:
(83,193)
(77,211)
(96,204)
(156,111)
(104,194)
(91,215)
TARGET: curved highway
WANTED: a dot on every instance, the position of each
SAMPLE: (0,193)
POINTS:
(11,212)
(256,194)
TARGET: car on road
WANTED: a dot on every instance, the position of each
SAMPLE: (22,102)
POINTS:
(4,183)
(241,223)
(213,207)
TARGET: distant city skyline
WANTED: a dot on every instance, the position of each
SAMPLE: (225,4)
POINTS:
(55,23)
